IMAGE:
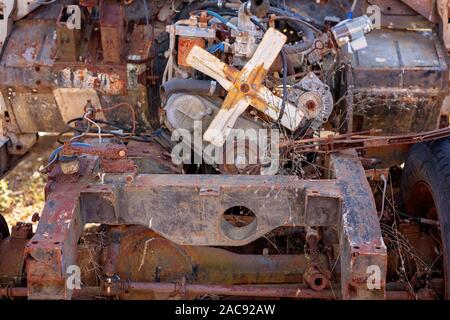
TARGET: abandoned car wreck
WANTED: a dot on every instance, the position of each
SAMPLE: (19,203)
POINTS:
(263,149)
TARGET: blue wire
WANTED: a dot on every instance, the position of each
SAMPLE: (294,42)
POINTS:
(57,150)
(221,19)
(219,46)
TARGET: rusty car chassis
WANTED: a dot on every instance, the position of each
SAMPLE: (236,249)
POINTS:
(134,225)
(187,210)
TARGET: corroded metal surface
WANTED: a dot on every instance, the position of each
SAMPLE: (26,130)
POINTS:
(42,54)
(195,204)
(361,241)
(400,82)
(397,84)
(12,267)
(189,210)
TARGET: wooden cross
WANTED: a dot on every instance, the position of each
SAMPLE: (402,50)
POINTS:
(245,87)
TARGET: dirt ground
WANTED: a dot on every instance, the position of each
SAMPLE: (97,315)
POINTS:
(22,190)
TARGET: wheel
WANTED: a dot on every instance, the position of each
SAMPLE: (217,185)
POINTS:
(4,230)
(426,193)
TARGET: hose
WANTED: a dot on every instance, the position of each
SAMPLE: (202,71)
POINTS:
(307,28)
(200,87)
(308,36)
(283,12)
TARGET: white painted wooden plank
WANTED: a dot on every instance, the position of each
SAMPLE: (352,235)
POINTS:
(223,122)
(292,115)
(266,53)
(208,64)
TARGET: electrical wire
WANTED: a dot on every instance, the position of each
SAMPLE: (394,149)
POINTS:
(85,132)
(98,127)
(135,136)
(132,113)
(54,155)
(147,18)
(299,21)
(383,178)
(45,2)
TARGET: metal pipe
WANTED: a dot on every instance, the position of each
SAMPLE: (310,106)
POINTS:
(14,292)
(297,292)
(142,252)
(267,291)
(315,276)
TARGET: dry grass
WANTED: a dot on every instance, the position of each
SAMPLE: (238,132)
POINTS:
(22,190)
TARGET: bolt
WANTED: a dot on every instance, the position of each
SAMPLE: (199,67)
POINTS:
(244,88)
(122,153)
(311,105)
(35,217)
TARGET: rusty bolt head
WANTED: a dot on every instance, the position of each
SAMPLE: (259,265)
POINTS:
(35,217)
(315,279)
(311,105)
(244,87)
(122,153)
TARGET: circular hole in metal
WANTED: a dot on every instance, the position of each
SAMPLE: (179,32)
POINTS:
(238,222)
(318,282)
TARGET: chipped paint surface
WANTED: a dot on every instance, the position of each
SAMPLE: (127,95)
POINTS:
(84,78)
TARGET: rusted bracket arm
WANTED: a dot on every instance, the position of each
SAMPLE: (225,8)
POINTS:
(426,8)
(51,254)
(363,254)
(52,250)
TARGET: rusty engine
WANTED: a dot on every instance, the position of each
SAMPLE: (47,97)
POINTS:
(145,98)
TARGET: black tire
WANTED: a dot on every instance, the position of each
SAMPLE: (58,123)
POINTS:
(426,190)
(4,230)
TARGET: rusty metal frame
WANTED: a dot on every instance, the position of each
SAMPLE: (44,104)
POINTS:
(426,8)
(188,210)
(361,241)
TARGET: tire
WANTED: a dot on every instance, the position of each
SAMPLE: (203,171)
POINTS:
(426,190)
(4,230)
